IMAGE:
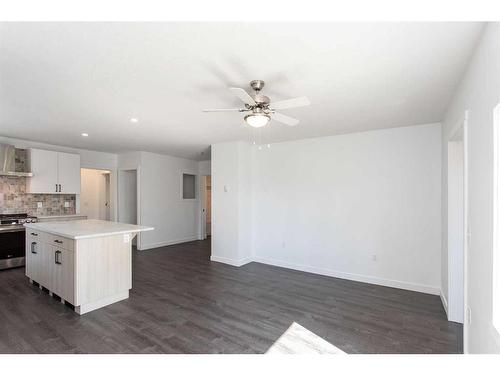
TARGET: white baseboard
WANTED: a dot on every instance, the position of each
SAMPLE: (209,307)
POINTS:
(444,302)
(232,262)
(167,243)
(351,276)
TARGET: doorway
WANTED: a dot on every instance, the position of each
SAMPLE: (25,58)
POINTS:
(127,198)
(206,211)
(95,195)
(457,193)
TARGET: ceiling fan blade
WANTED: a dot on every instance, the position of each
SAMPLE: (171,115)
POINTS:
(291,103)
(290,121)
(243,95)
(224,110)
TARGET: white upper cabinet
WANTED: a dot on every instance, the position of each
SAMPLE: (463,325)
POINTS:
(69,173)
(53,172)
(44,168)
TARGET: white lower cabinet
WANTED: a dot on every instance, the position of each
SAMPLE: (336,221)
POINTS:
(63,274)
(53,267)
(88,273)
(33,259)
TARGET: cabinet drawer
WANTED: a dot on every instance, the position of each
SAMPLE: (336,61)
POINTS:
(34,235)
(59,241)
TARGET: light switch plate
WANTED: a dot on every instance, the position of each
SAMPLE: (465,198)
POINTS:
(66,204)
(39,205)
(468,313)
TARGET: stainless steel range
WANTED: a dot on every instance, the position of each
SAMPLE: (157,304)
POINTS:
(13,239)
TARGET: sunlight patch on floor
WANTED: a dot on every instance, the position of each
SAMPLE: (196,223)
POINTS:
(299,340)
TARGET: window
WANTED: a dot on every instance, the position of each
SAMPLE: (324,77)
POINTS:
(188,186)
(496,218)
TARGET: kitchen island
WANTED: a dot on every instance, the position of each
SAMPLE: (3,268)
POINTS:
(87,263)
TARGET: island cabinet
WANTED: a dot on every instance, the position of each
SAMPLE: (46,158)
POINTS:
(50,262)
(90,270)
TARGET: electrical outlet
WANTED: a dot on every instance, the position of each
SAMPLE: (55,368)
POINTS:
(374,257)
(39,204)
(66,204)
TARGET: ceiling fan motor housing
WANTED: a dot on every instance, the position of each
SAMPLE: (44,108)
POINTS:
(261,99)
(257,84)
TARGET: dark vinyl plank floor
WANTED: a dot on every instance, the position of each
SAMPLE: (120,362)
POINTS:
(181,302)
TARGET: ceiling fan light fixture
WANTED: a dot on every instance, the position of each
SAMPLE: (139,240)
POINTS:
(257,120)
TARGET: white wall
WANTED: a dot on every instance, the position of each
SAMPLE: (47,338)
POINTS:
(129,160)
(245,201)
(328,205)
(161,205)
(454,299)
(478,94)
(232,203)
(204,167)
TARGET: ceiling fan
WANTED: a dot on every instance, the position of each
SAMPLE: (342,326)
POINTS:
(261,109)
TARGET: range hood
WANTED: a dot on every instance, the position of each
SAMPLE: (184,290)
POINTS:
(8,162)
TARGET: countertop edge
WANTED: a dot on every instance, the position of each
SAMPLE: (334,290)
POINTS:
(82,237)
(60,216)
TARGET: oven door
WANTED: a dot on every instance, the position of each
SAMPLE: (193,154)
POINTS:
(12,247)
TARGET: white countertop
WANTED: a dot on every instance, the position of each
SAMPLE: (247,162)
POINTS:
(82,229)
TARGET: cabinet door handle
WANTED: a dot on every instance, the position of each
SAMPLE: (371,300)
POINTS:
(58,241)
(60,189)
(56,260)
(56,188)
(33,247)
(34,234)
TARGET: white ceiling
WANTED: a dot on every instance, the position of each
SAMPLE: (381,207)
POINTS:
(58,80)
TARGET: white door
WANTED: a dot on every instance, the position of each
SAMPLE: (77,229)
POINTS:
(69,173)
(107,196)
(44,168)
(127,197)
(208,205)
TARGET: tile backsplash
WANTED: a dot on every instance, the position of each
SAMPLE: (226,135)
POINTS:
(14,199)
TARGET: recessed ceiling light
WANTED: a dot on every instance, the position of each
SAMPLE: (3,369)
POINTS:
(133,119)
(85,135)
